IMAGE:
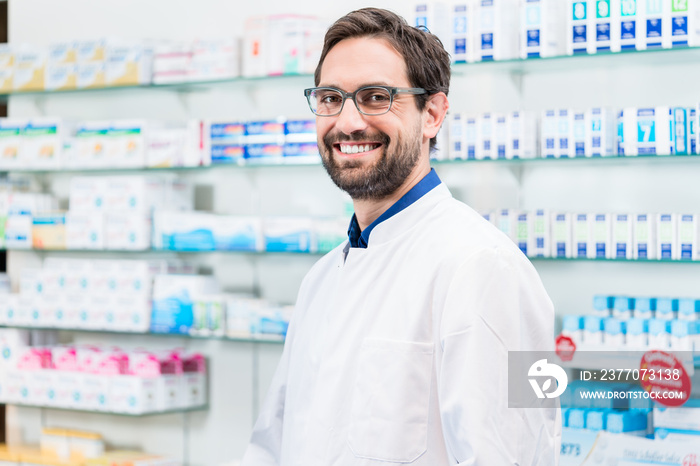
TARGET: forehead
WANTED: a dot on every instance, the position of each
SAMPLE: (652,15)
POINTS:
(359,61)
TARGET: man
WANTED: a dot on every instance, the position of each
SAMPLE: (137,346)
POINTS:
(397,351)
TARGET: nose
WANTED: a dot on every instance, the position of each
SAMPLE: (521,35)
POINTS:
(350,120)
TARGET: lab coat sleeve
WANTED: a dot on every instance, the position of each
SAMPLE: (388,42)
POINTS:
(495,303)
(266,441)
(265,444)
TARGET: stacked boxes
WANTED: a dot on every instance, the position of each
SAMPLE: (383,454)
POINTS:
(617,25)
(115,212)
(17,213)
(200,60)
(638,323)
(492,136)
(53,143)
(569,133)
(89,294)
(200,231)
(112,380)
(281,44)
(269,141)
(541,233)
(35,143)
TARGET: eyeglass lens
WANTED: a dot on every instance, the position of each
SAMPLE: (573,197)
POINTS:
(370,100)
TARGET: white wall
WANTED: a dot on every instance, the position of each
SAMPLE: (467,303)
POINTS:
(220,433)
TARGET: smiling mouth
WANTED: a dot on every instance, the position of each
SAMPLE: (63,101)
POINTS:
(352,149)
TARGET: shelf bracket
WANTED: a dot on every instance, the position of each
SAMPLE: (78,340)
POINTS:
(517,77)
(40,104)
(184,101)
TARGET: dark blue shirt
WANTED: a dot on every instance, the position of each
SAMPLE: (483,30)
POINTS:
(359,239)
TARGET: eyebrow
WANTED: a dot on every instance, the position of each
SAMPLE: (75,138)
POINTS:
(376,83)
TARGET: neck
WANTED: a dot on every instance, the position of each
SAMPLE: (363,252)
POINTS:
(369,210)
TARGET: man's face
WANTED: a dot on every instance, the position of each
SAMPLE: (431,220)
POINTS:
(369,156)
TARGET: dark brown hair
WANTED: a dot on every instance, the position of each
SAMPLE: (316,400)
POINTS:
(427,61)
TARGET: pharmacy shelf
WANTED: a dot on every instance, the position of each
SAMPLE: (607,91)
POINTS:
(266,339)
(167,251)
(183,87)
(126,170)
(606,60)
(585,259)
(113,413)
(588,161)
(317,254)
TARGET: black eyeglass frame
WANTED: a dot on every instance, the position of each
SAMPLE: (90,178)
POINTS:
(351,95)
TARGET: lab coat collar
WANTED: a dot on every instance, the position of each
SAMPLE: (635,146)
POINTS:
(401,222)
(360,238)
(407,218)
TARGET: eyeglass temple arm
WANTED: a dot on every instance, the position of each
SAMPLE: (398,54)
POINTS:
(410,90)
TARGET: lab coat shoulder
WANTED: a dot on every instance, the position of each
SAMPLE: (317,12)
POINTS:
(316,276)
(460,228)
(489,282)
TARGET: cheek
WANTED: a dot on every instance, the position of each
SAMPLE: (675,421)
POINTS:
(323,126)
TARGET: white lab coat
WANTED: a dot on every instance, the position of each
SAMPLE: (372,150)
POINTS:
(398,353)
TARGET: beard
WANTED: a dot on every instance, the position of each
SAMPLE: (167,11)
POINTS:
(379,179)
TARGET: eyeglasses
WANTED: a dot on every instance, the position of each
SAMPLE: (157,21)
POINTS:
(369,100)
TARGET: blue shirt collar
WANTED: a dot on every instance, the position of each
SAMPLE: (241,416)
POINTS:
(360,239)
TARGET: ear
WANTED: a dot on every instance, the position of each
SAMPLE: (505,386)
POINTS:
(435,110)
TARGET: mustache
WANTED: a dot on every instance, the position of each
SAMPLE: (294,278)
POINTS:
(335,138)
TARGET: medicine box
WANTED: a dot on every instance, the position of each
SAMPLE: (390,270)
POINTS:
(688,237)
(497,30)
(667,236)
(173,298)
(29,70)
(238,233)
(485,135)
(582,235)
(522,135)
(549,134)
(562,241)
(540,234)
(564,145)
(60,76)
(11,142)
(90,145)
(684,21)
(127,231)
(184,231)
(632,25)
(85,230)
(91,75)
(607,25)
(622,237)
(435,17)
(457,137)
(644,237)
(43,143)
(290,234)
(542,28)
(127,64)
(601,132)
(601,237)
(522,231)
(463,39)
(580,34)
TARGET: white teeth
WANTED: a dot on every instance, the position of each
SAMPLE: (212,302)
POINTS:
(355,149)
